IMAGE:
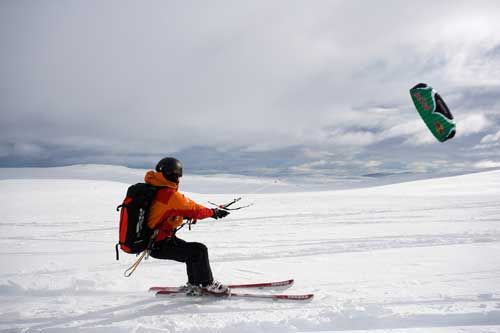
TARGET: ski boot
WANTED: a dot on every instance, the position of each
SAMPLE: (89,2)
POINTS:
(216,288)
(192,289)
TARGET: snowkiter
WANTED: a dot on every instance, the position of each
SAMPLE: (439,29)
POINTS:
(166,214)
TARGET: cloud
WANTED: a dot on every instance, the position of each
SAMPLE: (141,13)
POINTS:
(487,164)
(309,167)
(231,80)
(472,124)
(22,150)
(411,132)
(491,138)
(489,141)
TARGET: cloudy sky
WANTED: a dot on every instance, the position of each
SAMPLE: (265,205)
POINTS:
(252,87)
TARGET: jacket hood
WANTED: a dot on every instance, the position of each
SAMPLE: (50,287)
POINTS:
(157,179)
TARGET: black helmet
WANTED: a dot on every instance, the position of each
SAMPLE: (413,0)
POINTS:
(171,168)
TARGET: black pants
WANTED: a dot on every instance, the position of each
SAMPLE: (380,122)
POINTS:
(195,255)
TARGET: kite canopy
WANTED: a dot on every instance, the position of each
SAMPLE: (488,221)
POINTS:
(433,111)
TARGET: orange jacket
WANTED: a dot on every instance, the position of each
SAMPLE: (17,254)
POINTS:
(169,207)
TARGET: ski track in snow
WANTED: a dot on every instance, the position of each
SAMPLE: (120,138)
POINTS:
(416,257)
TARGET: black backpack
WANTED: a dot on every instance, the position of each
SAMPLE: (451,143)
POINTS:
(134,235)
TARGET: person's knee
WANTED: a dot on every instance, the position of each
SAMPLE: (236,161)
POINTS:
(201,248)
(198,252)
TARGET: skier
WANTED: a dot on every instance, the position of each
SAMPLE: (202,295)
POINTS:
(166,214)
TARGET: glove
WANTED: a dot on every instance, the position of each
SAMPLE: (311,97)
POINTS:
(219,213)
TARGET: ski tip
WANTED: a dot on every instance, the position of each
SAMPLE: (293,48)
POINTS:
(285,283)
(262,285)
(295,297)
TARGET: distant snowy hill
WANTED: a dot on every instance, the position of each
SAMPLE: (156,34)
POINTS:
(413,257)
(222,183)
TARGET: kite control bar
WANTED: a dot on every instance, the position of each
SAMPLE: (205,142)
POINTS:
(227,205)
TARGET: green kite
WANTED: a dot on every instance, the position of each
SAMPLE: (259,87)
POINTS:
(433,111)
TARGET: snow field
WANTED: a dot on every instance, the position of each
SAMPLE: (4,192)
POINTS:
(422,256)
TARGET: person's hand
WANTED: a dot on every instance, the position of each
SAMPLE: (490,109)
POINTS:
(219,213)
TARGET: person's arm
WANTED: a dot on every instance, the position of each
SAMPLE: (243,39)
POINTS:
(180,205)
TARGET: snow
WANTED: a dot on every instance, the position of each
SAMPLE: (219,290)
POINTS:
(413,257)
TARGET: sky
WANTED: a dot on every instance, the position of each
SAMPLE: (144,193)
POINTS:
(276,88)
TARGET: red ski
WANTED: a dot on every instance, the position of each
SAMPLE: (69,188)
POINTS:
(263,285)
(304,297)
(290,297)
